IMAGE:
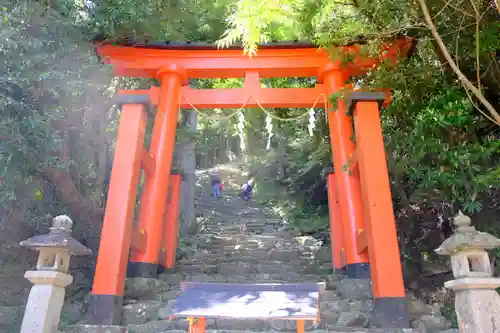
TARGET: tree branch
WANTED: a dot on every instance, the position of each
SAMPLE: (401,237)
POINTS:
(463,79)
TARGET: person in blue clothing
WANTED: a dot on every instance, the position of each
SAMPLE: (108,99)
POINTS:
(246,190)
(216,186)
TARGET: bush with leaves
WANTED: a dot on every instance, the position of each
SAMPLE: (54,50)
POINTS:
(53,97)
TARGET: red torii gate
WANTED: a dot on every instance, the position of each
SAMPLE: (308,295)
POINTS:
(362,222)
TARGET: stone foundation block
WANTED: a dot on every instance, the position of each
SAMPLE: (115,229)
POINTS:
(140,313)
(354,288)
(144,287)
(96,329)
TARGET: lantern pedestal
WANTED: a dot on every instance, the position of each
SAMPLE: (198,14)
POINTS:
(45,301)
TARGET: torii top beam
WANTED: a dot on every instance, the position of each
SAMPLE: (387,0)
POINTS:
(205,61)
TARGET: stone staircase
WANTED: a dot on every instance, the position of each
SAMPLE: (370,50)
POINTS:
(242,242)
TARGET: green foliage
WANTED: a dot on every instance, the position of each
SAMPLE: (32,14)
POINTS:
(307,218)
(440,154)
(325,21)
(252,21)
(441,151)
(160,20)
(448,311)
(51,92)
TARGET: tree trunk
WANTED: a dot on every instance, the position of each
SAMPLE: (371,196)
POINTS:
(87,215)
(187,217)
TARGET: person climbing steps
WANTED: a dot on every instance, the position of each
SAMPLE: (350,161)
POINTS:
(216,186)
(246,190)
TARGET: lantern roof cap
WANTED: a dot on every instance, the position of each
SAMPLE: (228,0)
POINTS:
(58,237)
(466,237)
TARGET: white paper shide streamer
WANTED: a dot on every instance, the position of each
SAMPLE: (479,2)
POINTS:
(312,122)
(241,127)
(269,128)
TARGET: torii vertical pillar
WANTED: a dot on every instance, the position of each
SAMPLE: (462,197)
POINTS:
(170,230)
(109,281)
(390,309)
(348,184)
(336,231)
(154,196)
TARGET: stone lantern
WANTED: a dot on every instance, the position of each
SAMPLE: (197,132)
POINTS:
(46,297)
(477,303)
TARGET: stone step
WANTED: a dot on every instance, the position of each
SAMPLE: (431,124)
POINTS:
(228,244)
(239,235)
(237,226)
(252,256)
(196,269)
(214,276)
(229,268)
(215,257)
(217,243)
(231,209)
(238,326)
(233,237)
(221,226)
(226,229)
(261,254)
(238,253)
(249,325)
(336,330)
(267,267)
(165,326)
(259,229)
